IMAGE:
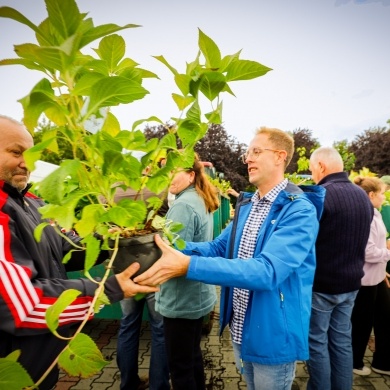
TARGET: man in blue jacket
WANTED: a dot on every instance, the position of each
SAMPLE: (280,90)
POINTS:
(264,261)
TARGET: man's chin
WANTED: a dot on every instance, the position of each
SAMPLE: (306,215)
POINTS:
(20,185)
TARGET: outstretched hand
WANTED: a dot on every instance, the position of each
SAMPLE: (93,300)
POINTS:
(129,288)
(171,264)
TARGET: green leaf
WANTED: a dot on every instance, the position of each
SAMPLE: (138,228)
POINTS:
(187,131)
(101,31)
(32,155)
(51,137)
(82,357)
(175,227)
(125,64)
(182,101)
(150,119)
(194,87)
(111,91)
(216,115)
(194,113)
(111,125)
(168,141)
(183,82)
(227,60)
(11,13)
(29,64)
(52,186)
(13,376)
(92,251)
(211,84)
(89,219)
(38,104)
(104,142)
(139,296)
(40,98)
(210,51)
(64,16)
(39,230)
(128,213)
(48,57)
(154,202)
(68,255)
(14,355)
(180,244)
(85,84)
(113,161)
(193,66)
(157,183)
(158,222)
(245,70)
(54,311)
(165,62)
(112,49)
(63,215)
(102,300)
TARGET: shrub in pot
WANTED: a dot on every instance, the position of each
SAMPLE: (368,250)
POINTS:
(76,94)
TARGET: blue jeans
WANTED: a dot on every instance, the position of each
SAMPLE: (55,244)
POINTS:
(128,345)
(265,377)
(330,342)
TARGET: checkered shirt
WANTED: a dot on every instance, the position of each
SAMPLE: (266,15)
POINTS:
(257,215)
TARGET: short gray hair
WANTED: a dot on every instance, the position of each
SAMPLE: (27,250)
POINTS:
(330,156)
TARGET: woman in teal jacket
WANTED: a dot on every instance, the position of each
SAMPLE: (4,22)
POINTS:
(279,277)
(183,303)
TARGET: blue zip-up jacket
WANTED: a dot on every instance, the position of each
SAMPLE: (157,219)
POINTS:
(279,276)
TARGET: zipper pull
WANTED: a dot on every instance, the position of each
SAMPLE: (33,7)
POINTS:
(281,299)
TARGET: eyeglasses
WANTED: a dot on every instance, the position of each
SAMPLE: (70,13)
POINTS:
(255,153)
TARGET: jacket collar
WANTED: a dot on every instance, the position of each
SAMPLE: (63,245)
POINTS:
(12,191)
(338,176)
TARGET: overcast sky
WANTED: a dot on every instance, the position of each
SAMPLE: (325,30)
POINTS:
(330,59)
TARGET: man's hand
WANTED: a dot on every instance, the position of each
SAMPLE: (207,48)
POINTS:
(171,264)
(129,288)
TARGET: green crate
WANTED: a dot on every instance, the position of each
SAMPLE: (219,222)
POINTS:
(385,211)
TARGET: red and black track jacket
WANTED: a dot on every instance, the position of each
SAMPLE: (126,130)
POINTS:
(32,277)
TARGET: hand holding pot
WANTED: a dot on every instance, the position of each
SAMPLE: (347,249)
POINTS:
(130,288)
(171,264)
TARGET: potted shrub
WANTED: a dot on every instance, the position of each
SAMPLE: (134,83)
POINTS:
(75,94)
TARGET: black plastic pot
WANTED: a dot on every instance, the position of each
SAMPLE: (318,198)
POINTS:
(140,249)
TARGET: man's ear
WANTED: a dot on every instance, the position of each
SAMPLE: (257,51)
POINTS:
(322,166)
(282,156)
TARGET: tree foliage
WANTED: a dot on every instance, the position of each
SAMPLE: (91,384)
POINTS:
(224,151)
(303,138)
(371,149)
(347,156)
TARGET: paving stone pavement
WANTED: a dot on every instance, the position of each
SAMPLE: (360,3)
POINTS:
(220,369)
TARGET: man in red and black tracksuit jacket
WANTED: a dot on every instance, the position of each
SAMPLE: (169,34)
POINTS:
(32,275)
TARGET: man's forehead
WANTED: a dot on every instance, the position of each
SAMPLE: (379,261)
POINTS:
(259,140)
(14,132)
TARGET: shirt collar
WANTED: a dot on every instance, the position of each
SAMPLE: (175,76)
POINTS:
(271,195)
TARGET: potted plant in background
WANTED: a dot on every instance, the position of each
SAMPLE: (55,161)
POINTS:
(76,94)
